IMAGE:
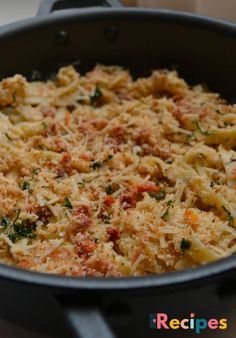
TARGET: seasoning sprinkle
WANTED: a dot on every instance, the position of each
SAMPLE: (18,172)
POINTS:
(230,217)
(67,203)
(185,245)
(25,185)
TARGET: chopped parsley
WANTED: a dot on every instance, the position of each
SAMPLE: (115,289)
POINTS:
(109,157)
(185,245)
(44,124)
(157,195)
(96,96)
(67,203)
(213,183)
(81,99)
(226,124)
(8,137)
(109,190)
(169,161)
(231,161)
(96,165)
(5,221)
(106,219)
(219,112)
(17,216)
(17,229)
(22,230)
(230,217)
(25,185)
(203,132)
(190,137)
(166,213)
(36,171)
(81,184)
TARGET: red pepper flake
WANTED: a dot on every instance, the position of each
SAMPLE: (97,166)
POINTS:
(147,187)
(99,124)
(85,247)
(86,128)
(66,162)
(60,147)
(83,216)
(142,136)
(53,129)
(117,134)
(106,206)
(129,200)
(108,201)
(43,213)
(113,234)
(85,157)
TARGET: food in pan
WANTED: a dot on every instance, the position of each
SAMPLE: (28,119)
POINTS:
(104,175)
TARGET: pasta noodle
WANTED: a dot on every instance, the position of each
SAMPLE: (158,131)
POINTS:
(103,175)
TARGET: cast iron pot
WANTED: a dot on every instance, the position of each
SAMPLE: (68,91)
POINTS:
(203,50)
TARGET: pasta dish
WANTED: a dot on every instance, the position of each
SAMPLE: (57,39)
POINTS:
(105,175)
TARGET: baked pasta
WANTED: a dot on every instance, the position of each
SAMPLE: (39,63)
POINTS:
(103,175)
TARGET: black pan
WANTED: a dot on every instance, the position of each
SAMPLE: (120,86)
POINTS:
(203,50)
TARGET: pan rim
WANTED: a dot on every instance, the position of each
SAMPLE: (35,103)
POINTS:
(193,277)
(196,276)
(133,14)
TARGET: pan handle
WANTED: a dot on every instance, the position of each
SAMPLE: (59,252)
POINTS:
(86,321)
(49,6)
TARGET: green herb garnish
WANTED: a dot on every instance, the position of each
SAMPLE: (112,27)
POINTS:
(109,190)
(166,213)
(96,96)
(81,99)
(231,161)
(169,161)
(213,183)
(203,132)
(81,184)
(5,221)
(157,195)
(19,230)
(109,157)
(185,245)
(190,137)
(17,216)
(23,230)
(67,203)
(25,185)
(36,171)
(106,219)
(96,165)
(12,237)
(219,112)
(230,217)
(8,137)
(226,124)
